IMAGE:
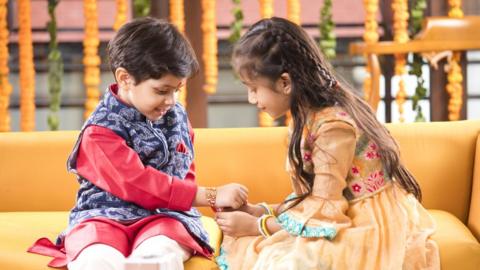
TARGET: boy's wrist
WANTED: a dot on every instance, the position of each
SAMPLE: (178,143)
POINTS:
(200,197)
(211,197)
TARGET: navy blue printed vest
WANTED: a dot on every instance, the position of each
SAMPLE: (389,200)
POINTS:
(155,143)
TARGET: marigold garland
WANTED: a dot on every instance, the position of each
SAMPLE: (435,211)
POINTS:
(266,8)
(266,11)
(177,18)
(27,70)
(370,36)
(209,56)
(293,14)
(121,16)
(91,60)
(293,11)
(5,86)
(455,78)
(400,26)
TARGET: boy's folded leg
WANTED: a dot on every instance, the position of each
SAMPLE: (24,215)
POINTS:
(167,261)
(98,257)
(158,252)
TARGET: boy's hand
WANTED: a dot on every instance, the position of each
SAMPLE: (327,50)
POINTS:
(237,223)
(231,195)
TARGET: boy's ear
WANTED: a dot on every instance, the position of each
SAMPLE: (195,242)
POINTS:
(285,83)
(123,78)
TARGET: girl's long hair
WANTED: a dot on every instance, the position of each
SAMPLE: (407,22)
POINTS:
(274,46)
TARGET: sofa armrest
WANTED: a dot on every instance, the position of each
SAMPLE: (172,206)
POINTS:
(474,215)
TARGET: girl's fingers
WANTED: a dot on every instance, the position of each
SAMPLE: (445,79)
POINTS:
(244,195)
(239,202)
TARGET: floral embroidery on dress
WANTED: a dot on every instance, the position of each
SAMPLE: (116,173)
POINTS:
(342,114)
(355,170)
(375,181)
(307,156)
(371,155)
(357,187)
(365,176)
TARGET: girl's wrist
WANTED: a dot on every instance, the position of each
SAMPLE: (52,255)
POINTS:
(265,209)
(262,225)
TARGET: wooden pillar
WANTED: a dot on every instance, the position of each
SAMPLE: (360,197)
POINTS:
(438,78)
(388,63)
(463,64)
(196,98)
(159,9)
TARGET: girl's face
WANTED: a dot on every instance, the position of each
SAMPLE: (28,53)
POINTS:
(152,97)
(272,98)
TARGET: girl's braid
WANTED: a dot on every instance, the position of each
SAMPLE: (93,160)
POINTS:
(290,42)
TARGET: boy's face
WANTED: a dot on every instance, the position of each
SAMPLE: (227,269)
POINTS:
(152,97)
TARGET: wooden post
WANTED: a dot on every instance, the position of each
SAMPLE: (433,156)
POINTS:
(438,78)
(388,63)
(196,98)
(463,64)
(159,9)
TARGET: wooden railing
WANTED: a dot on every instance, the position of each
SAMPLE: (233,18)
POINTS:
(439,35)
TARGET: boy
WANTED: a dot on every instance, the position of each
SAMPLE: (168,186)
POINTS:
(134,162)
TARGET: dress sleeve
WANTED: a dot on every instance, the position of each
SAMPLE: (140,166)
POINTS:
(322,214)
(105,159)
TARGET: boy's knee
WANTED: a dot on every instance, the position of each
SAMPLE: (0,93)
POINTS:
(98,257)
(160,245)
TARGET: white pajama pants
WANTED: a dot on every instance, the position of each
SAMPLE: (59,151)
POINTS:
(159,250)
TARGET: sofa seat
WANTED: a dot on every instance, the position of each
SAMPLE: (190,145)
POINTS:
(19,230)
(455,241)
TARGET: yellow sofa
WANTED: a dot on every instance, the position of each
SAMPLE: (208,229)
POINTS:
(36,191)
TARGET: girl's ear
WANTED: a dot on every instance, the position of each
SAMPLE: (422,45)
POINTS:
(285,83)
(123,78)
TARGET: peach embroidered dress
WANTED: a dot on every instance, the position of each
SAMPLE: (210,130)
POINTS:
(356,218)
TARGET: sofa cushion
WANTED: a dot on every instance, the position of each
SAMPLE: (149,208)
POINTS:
(441,157)
(19,230)
(458,247)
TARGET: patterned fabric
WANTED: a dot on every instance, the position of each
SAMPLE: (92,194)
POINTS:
(155,143)
(367,175)
(222,260)
(297,228)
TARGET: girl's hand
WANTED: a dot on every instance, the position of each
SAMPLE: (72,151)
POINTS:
(252,209)
(237,223)
(231,195)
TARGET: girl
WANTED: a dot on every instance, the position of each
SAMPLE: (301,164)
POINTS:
(354,205)
(134,162)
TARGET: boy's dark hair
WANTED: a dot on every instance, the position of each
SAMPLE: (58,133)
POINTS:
(149,48)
